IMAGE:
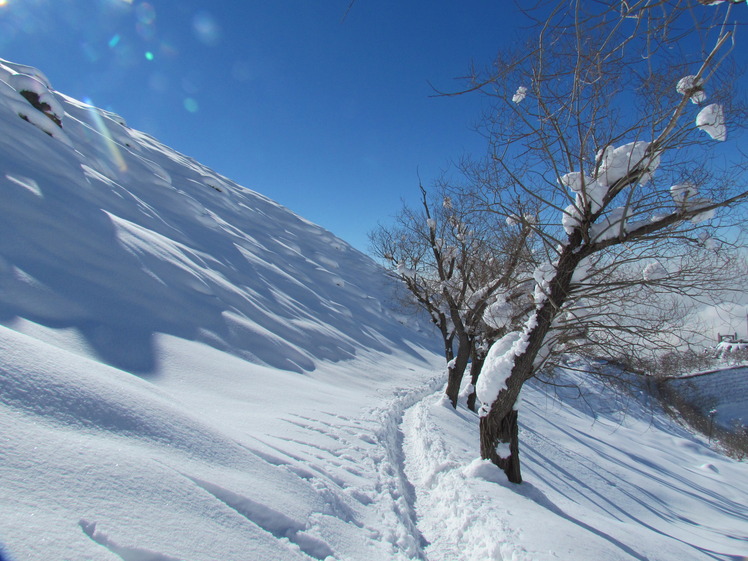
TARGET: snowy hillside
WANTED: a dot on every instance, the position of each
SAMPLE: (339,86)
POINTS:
(250,330)
(189,371)
(107,231)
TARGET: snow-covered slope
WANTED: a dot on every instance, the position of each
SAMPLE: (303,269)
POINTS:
(189,371)
(115,235)
(608,476)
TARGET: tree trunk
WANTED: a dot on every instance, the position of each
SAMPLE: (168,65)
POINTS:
(475,367)
(498,427)
(457,369)
(496,436)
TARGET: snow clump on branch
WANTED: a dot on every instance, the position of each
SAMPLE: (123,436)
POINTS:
(692,87)
(654,271)
(683,194)
(497,368)
(405,272)
(498,315)
(520,94)
(611,226)
(513,220)
(686,198)
(711,120)
(617,163)
(590,190)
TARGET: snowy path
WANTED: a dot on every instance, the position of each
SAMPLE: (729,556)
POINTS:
(361,458)
(461,523)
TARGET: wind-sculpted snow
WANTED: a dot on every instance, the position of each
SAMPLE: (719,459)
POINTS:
(121,238)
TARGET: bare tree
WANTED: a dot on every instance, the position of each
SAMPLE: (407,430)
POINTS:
(608,123)
(462,271)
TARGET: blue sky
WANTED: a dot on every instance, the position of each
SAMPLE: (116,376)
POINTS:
(334,117)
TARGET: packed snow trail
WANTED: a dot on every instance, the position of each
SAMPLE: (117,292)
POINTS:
(607,476)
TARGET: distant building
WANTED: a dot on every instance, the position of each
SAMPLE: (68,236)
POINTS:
(729,343)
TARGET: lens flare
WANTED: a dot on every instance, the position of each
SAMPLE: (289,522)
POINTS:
(111,146)
(206,28)
(191,105)
(145,13)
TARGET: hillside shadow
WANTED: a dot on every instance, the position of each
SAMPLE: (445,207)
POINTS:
(251,278)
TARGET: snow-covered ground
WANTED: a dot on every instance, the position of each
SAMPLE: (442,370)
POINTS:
(607,476)
(189,371)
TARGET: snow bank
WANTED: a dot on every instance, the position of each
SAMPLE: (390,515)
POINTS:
(122,238)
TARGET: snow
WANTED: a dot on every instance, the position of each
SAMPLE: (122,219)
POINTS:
(683,193)
(705,216)
(499,363)
(18,81)
(190,371)
(571,218)
(708,241)
(498,314)
(730,346)
(497,368)
(616,163)
(654,271)
(405,272)
(519,95)
(610,225)
(503,450)
(542,275)
(692,87)
(606,476)
(711,120)
(592,192)
(686,198)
